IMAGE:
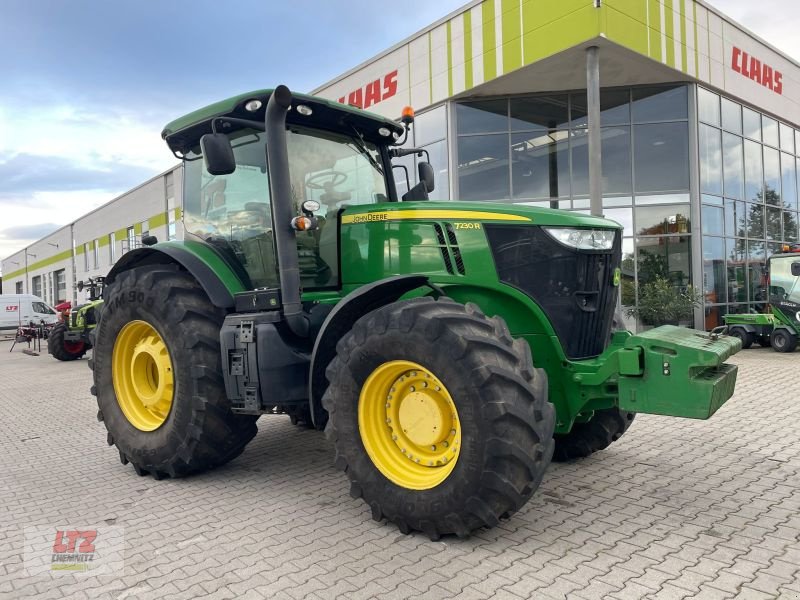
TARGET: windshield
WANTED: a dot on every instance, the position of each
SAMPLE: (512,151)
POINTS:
(783,286)
(232,212)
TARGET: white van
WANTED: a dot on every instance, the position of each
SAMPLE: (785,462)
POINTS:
(23,309)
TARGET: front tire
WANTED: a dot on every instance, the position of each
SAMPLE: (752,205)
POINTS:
(438,417)
(158,375)
(747,338)
(598,433)
(783,340)
(61,349)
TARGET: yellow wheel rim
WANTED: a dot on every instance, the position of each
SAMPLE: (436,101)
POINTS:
(142,375)
(409,425)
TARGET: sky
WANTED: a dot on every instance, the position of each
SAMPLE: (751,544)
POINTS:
(87,85)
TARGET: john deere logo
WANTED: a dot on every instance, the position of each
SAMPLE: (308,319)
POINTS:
(617,276)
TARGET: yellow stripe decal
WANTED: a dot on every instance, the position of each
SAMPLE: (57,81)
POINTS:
(397,215)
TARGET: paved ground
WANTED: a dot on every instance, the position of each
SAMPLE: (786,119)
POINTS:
(676,509)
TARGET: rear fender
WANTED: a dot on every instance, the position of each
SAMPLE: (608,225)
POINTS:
(214,275)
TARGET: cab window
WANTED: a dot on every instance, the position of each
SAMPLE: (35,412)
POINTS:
(337,171)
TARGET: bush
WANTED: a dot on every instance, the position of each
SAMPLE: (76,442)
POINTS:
(662,303)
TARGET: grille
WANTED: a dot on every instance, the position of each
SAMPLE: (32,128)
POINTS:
(451,237)
(574,288)
(443,247)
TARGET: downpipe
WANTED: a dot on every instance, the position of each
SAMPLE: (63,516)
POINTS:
(280,101)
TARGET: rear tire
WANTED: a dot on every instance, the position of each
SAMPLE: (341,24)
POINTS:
(603,429)
(783,340)
(745,336)
(62,350)
(505,423)
(199,432)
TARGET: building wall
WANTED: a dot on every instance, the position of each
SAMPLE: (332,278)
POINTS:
(90,246)
(486,40)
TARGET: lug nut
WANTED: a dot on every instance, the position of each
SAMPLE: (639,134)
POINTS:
(445,444)
(388,420)
(411,389)
(433,447)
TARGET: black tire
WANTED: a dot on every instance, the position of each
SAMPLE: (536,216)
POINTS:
(604,428)
(747,338)
(59,349)
(783,340)
(200,431)
(505,417)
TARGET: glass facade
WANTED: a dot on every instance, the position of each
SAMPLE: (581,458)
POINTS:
(534,150)
(749,193)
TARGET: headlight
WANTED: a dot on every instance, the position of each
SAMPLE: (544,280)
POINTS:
(583,239)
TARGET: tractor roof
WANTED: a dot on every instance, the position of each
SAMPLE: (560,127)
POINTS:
(184,133)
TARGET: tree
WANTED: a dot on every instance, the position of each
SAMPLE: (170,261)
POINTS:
(660,302)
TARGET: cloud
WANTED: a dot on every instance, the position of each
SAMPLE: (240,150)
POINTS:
(28,232)
(25,174)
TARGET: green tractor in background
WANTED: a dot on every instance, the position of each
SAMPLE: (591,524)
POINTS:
(449,349)
(780,328)
(70,339)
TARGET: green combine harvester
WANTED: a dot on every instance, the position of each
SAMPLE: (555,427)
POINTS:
(450,350)
(779,328)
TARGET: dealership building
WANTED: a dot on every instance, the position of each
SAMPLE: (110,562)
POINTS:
(699,138)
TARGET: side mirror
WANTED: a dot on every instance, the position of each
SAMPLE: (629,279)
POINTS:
(80,286)
(217,154)
(426,175)
(796,269)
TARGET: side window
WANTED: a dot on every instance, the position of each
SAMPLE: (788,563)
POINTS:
(42,308)
(336,171)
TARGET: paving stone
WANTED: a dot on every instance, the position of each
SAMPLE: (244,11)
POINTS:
(675,509)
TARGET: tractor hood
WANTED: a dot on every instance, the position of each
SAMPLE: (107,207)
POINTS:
(474,211)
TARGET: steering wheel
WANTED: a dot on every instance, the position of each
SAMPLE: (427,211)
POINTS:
(333,178)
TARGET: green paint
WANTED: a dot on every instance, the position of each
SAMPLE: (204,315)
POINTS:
(489,41)
(684,373)
(468,80)
(226,106)
(696,41)
(160,220)
(137,229)
(512,35)
(121,234)
(656,27)
(552,27)
(210,258)
(373,250)
(668,25)
(449,47)
(684,45)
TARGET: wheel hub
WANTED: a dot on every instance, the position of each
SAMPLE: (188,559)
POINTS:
(409,425)
(142,375)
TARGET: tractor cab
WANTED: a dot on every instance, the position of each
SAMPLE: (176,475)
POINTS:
(337,158)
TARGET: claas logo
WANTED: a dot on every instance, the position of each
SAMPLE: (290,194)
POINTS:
(374,92)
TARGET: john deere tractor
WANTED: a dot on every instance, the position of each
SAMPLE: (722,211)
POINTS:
(449,349)
(780,327)
(70,339)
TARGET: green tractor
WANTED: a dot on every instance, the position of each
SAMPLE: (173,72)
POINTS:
(780,328)
(449,349)
(70,339)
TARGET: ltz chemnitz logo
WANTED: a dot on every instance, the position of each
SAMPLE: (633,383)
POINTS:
(73,550)
(82,550)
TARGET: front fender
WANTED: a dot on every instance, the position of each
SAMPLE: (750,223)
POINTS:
(340,320)
(211,271)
